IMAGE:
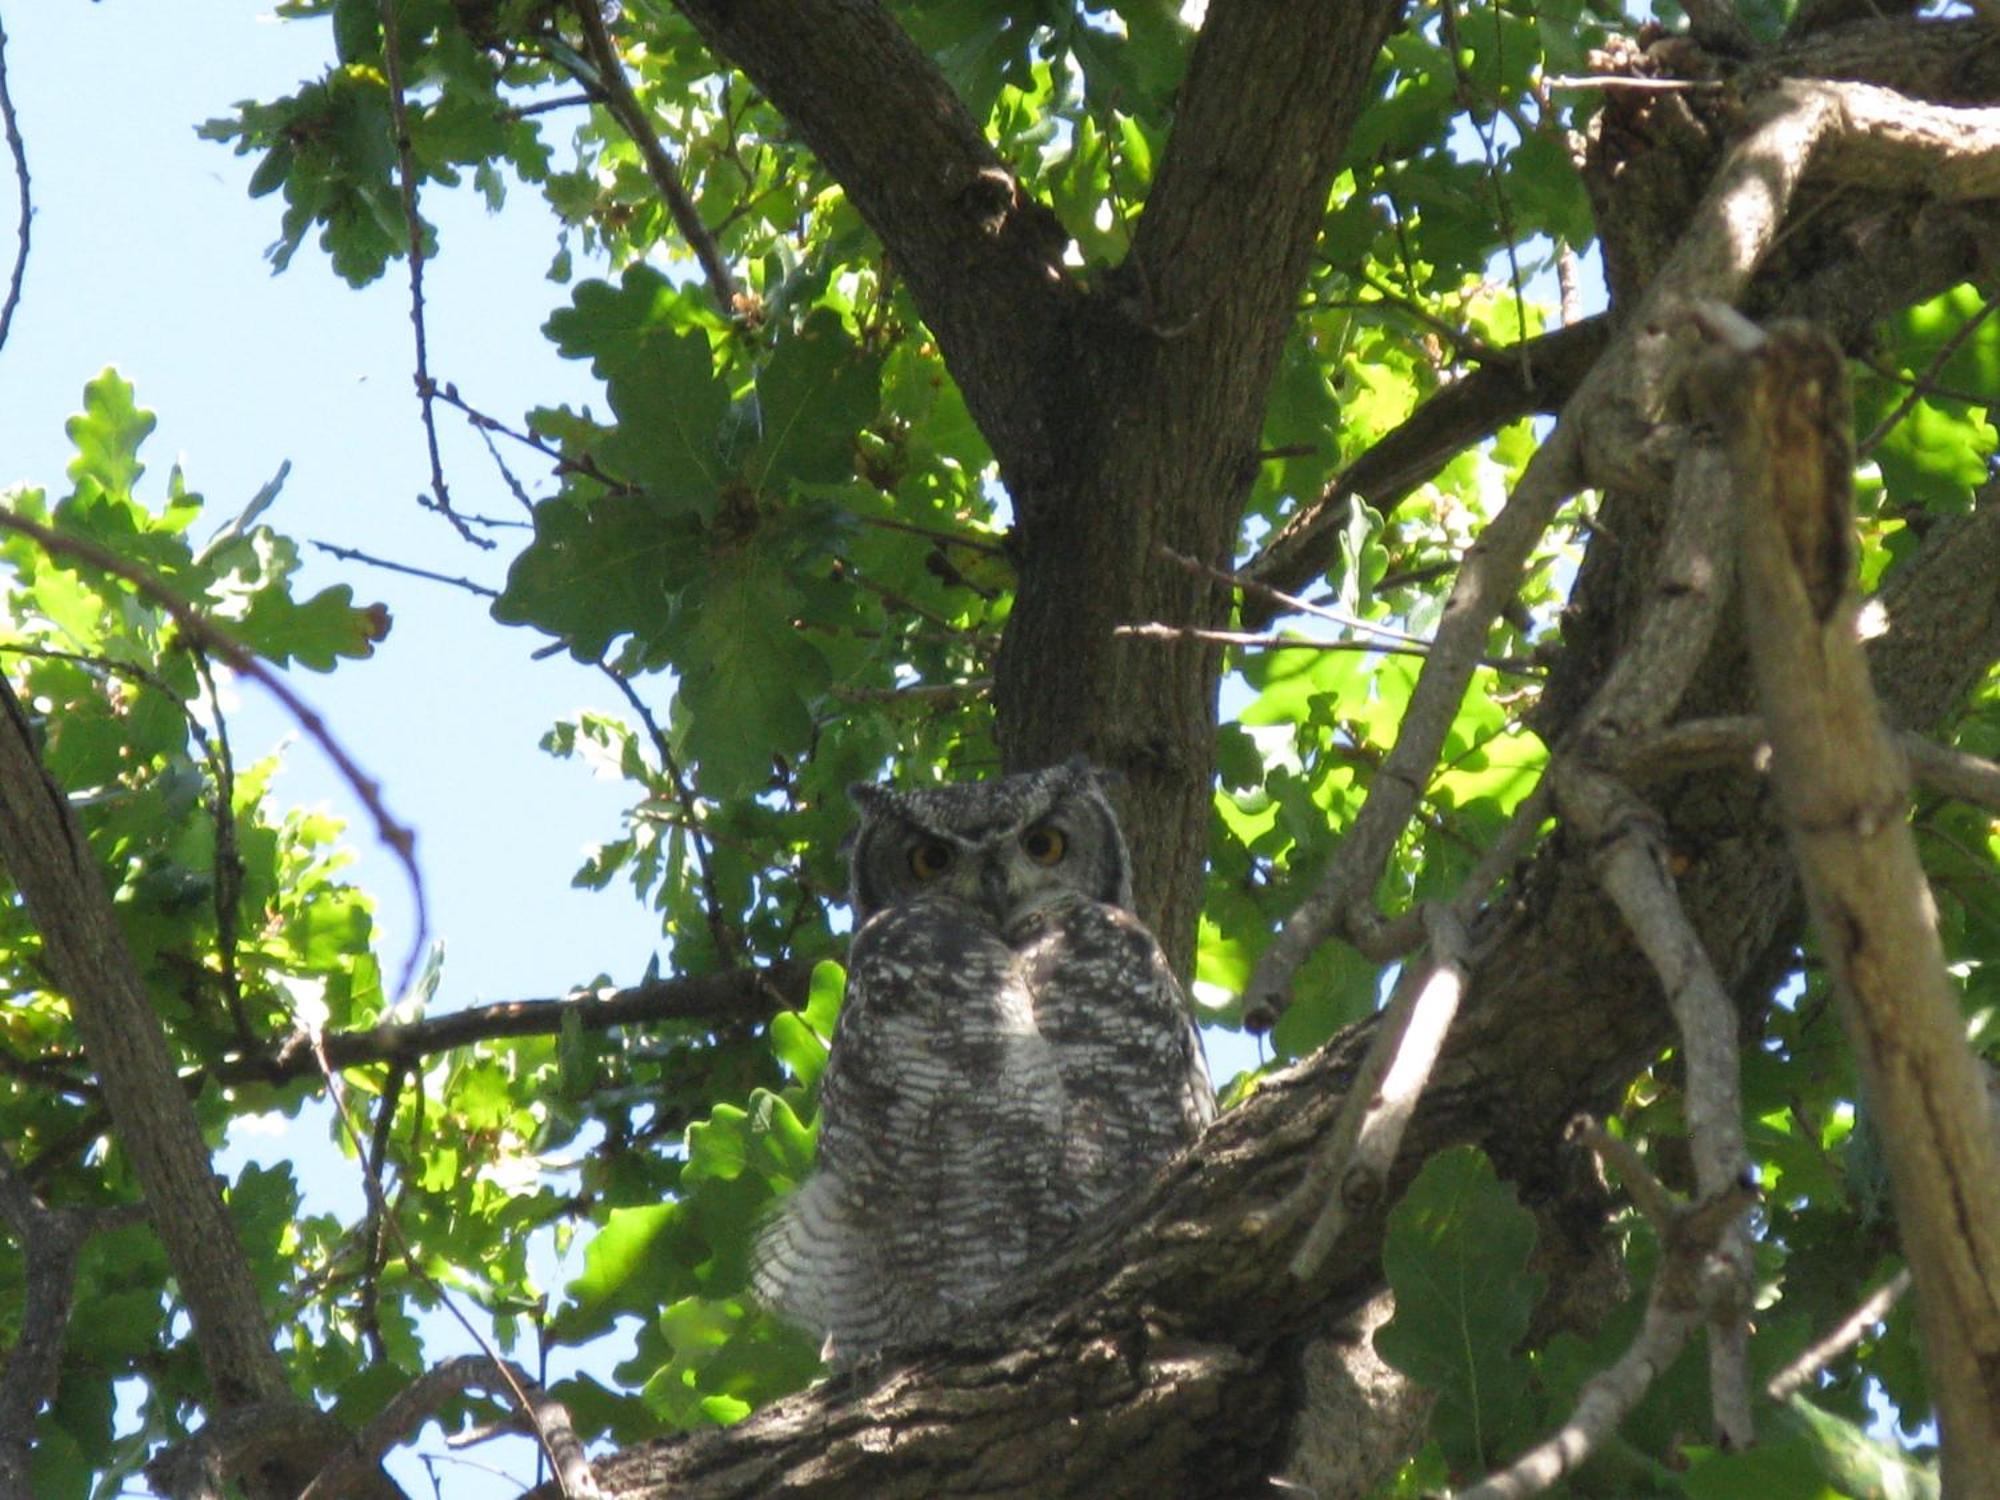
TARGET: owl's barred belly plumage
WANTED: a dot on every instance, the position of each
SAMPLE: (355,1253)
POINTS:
(996,1078)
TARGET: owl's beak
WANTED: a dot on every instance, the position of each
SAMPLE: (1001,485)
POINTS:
(995,890)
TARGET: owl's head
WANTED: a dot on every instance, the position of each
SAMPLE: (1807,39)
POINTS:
(1005,846)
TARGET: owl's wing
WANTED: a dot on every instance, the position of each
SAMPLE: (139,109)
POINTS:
(1125,1043)
(941,1114)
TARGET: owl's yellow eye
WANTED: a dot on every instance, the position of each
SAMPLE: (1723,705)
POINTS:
(930,859)
(1044,844)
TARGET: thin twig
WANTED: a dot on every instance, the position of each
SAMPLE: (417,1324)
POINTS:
(1851,1330)
(228,863)
(1922,386)
(406,177)
(991,548)
(1289,602)
(626,109)
(1635,85)
(25,205)
(203,632)
(1155,630)
(729,945)
(916,692)
(351,554)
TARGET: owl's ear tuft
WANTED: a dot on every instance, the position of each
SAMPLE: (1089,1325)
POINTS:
(871,796)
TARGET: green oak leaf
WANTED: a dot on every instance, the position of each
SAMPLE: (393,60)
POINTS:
(599,570)
(746,672)
(315,632)
(108,433)
(1456,1255)
(651,350)
(813,395)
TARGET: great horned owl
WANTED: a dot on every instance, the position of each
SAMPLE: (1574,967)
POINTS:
(1013,1053)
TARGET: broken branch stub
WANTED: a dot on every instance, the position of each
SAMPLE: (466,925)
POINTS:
(1842,790)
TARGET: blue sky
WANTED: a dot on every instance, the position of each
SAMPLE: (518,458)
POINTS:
(148,256)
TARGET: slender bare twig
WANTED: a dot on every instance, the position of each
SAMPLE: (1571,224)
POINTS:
(439,499)
(1610,82)
(1851,1330)
(351,554)
(25,206)
(1155,630)
(205,633)
(991,548)
(1922,385)
(916,692)
(631,115)
(1291,603)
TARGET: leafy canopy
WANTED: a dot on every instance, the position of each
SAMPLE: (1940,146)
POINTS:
(784,529)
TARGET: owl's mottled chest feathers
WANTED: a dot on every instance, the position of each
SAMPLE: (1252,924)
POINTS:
(1013,1053)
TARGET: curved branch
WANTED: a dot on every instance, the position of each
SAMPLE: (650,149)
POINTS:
(1537,375)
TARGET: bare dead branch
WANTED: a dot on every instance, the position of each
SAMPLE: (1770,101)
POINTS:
(1351,1173)
(1629,857)
(1852,1330)
(1732,230)
(1289,603)
(1842,795)
(409,570)
(1156,630)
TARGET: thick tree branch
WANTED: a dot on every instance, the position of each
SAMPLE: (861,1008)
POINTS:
(737,997)
(983,262)
(1842,793)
